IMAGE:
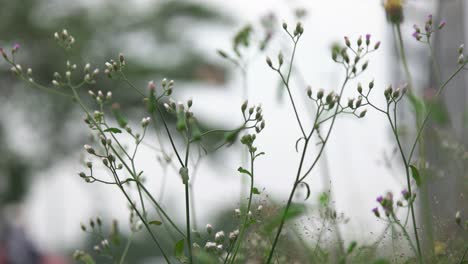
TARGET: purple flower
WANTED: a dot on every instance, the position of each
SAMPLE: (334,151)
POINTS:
(379,199)
(429,18)
(368,36)
(377,45)
(347,42)
(16,47)
(376,211)
(442,24)
(416,35)
(405,194)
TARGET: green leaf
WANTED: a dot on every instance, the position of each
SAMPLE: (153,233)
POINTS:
(351,247)
(324,199)
(179,251)
(242,170)
(113,130)
(308,190)
(255,190)
(155,222)
(416,176)
(121,120)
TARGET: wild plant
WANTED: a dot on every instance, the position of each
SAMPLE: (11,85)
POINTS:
(260,227)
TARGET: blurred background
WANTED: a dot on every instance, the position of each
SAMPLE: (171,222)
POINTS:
(43,201)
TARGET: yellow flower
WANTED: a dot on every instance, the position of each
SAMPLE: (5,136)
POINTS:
(394,11)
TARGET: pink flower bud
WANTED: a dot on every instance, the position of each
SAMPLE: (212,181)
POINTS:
(442,24)
(16,47)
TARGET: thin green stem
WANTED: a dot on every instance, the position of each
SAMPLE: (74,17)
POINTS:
(246,216)
(127,246)
(408,183)
(405,232)
(187,205)
(288,205)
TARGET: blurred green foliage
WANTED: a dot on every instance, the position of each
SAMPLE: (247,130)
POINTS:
(157,39)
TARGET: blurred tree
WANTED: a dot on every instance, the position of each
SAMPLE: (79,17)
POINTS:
(149,34)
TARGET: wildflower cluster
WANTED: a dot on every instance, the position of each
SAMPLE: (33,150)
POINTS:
(429,29)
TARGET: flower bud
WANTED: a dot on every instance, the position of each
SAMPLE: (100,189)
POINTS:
(320,94)
(377,45)
(358,102)
(461,48)
(219,236)
(121,59)
(458,217)
(233,235)
(359,41)
(285,26)
(268,61)
(15,48)
(363,114)
(461,59)
(89,149)
(280,58)
(442,24)
(209,228)
(309,92)
(145,121)
(244,106)
(368,37)
(347,42)
(376,212)
(359,88)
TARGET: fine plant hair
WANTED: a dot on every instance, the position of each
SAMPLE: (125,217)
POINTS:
(267,222)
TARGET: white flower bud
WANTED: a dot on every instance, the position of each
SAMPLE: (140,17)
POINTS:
(237,212)
(209,228)
(210,245)
(145,121)
(89,149)
(219,236)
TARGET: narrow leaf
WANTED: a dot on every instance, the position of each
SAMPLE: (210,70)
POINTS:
(155,222)
(308,190)
(416,176)
(179,248)
(113,130)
